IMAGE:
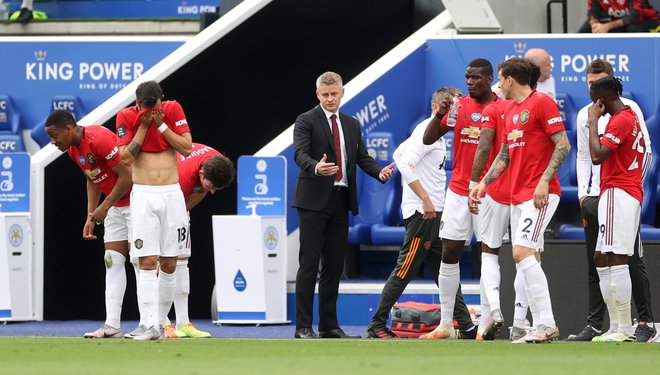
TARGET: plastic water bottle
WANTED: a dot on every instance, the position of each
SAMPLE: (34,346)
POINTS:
(4,11)
(453,111)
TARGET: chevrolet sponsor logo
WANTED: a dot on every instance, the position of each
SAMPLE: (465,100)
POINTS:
(514,134)
(472,132)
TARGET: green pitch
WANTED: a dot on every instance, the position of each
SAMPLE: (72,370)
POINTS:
(46,355)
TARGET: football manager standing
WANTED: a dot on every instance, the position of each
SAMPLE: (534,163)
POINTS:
(327,147)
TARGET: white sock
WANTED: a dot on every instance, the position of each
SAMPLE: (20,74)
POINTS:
(520,307)
(485,308)
(537,290)
(490,277)
(622,291)
(605,283)
(136,268)
(182,292)
(115,286)
(166,289)
(449,280)
(148,291)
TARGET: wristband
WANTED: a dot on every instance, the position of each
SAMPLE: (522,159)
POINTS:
(473,184)
(439,116)
(162,128)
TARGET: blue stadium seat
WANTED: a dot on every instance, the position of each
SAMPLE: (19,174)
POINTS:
(567,173)
(11,136)
(571,232)
(649,232)
(449,141)
(391,231)
(67,102)
(567,109)
(650,193)
(374,194)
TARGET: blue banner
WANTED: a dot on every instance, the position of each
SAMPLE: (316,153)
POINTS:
(92,71)
(15,182)
(633,59)
(262,185)
(123,9)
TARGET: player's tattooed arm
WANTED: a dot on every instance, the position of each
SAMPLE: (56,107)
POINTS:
(134,148)
(500,164)
(481,156)
(562,148)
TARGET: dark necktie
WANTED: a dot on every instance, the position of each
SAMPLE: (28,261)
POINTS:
(335,136)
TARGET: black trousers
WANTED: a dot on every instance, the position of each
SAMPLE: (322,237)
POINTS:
(323,238)
(640,281)
(421,245)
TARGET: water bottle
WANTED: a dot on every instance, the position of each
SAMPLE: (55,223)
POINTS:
(4,11)
(453,111)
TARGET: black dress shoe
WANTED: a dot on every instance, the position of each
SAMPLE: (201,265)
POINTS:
(305,333)
(337,333)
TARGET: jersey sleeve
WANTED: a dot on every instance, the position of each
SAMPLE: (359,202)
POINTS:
(176,118)
(615,133)
(105,146)
(124,126)
(549,115)
(489,116)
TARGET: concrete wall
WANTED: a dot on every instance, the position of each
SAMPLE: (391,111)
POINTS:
(529,16)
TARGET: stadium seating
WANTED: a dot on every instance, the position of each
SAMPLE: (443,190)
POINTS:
(66,102)
(567,109)
(373,194)
(391,231)
(567,173)
(11,137)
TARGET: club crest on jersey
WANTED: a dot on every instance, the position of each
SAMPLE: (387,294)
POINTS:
(81,159)
(138,243)
(475,116)
(471,132)
(90,158)
(514,134)
(515,118)
(524,116)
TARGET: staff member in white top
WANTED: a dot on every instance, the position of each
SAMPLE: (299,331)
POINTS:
(588,192)
(546,83)
(422,169)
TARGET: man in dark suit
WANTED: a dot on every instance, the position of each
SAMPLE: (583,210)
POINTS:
(325,192)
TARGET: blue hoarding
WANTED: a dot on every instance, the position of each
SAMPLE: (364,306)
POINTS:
(91,70)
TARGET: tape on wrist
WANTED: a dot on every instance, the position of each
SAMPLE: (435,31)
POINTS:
(473,184)
(162,128)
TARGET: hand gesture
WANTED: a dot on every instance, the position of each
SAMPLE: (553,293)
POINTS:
(541,195)
(387,172)
(99,214)
(596,110)
(88,229)
(474,198)
(326,169)
(429,209)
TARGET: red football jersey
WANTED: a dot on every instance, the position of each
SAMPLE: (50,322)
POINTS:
(493,117)
(96,154)
(623,168)
(617,9)
(466,140)
(529,125)
(189,168)
(128,121)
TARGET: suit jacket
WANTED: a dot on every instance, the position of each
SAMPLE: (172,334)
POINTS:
(312,138)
